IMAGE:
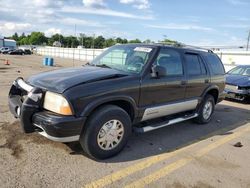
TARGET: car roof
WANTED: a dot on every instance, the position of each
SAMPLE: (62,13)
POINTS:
(184,47)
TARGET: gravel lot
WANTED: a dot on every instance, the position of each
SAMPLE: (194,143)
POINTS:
(182,155)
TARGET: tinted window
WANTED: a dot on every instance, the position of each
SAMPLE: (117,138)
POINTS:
(215,64)
(171,60)
(203,68)
(195,65)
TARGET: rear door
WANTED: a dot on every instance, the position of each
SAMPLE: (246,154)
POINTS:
(197,75)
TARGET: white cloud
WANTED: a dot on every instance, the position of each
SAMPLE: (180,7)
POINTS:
(46,3)
(173,26)
(105,12)
(60,16)
(239,2)
(81,22)
(139,4)
(237,26)
(8,28)
(52,31)
(94,3)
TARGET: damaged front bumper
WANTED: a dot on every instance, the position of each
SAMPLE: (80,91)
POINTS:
(236,92)
(26,103)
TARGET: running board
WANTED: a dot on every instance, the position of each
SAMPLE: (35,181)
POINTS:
(163,124)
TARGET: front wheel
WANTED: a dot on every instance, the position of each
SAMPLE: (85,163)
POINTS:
(206,110)
(106,132)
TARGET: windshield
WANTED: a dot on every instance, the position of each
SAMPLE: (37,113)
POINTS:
(127,58)
(245,71)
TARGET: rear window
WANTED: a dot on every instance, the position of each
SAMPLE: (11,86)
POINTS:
(215,64)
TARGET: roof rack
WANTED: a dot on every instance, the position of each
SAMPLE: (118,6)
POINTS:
(182,45)
(198,48)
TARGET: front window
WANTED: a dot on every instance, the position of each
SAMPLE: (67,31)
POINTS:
(127,58)
(171,61)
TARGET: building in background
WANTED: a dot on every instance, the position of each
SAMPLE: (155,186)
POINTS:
(57,44)
(1,41)
(7,43)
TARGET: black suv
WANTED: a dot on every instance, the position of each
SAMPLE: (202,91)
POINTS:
(136,87)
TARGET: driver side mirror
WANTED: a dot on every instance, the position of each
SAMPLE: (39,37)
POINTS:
(158,71)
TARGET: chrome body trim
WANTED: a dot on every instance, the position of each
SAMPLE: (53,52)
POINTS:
(173,121)
(24,85)
(58,139)
(164,110)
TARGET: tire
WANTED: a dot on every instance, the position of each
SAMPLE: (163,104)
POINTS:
(203,117)
(97,125)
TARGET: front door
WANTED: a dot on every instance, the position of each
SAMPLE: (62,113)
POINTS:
(163,96)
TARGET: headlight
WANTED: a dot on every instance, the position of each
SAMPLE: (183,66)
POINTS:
(56,103)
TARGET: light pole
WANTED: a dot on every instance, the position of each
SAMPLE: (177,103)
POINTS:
(248,40)
(93,42)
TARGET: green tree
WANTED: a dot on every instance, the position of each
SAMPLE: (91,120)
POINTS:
(56,37)
(99,42)
(171,42)
(135,41)
(37,38)
(88,42)
(15,37)
(121,41)
(23,36)
(148,41)
(24,41)
(109,42)
(71,42)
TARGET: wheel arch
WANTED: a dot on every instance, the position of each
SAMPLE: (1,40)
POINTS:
(126,103)
(212,90)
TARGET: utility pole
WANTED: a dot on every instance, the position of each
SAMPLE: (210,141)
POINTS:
(93,41)
(248,40)
(74,49)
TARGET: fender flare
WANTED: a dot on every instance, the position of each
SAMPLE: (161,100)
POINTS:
(96,103)
(210,88)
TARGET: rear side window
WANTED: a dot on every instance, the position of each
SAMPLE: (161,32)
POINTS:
(194,65)
(215,64)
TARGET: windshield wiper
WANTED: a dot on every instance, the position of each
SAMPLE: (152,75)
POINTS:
(103,65)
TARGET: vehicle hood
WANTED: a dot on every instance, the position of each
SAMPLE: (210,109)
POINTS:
(238,80)
(60,80)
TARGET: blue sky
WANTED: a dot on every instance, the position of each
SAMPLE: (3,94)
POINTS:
(198,22)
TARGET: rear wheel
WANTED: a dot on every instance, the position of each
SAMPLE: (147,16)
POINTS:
(206,110)
(106,132)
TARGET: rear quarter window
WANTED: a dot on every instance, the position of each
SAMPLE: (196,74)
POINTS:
(215,64)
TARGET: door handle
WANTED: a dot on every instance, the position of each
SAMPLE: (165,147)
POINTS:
(206,81)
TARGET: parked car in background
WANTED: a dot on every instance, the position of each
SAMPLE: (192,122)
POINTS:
(238,83)
(5,50)
(16,52)
(27,52)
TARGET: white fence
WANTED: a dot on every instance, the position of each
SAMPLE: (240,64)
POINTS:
(71,53)
(230,59)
